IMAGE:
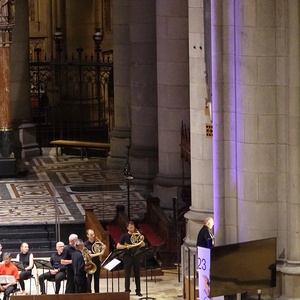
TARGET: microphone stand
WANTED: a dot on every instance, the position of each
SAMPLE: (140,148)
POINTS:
(128,178)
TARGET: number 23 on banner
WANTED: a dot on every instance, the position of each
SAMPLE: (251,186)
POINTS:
(202,265)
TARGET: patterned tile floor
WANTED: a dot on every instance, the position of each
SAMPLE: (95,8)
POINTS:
(68,186)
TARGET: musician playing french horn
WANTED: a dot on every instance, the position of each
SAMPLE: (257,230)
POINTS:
(131,241)
(96,249)
(79,268)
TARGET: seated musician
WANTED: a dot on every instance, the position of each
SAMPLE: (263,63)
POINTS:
(58,273)
(8,268)
(26,258)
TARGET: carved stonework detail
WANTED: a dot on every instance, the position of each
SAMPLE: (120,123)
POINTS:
(32,13)
(7,12)
(7,21)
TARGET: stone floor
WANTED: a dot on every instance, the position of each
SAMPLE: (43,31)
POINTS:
(163,287)
(65,186)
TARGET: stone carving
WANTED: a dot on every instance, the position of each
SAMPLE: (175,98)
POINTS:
(7,12)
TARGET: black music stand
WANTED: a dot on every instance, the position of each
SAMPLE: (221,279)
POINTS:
(145,252)
(115,254)
(43,264)
(19,265)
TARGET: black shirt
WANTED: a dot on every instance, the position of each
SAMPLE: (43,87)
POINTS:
(89,246)
(78,263)
(67,254)
(126,239)
(55,261)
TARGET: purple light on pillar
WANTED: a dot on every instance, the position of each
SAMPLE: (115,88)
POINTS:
(219,100)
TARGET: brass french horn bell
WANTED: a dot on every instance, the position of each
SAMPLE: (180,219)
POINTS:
(88,261)
(135,239)
(97,248)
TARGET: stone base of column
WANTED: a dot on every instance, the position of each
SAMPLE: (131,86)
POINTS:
(118,152)
(288,282)
(144,164)
(8,167)
(7,143)
(27,138)
(166,188)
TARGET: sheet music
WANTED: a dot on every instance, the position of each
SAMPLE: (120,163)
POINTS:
(112,264)
(4,279)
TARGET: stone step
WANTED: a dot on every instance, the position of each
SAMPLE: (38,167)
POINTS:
(40,238)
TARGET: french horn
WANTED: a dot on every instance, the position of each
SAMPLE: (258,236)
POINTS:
(97,248)
(92,268)
(135,239)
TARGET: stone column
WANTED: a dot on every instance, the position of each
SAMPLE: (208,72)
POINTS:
(201,146)
(224,117)
(25,130)
(290,242)
(7,20)
(120,136)
(172,93)
(143,82)
(7,155)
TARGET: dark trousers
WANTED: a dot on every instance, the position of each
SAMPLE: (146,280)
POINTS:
(8,291)
(70,286)
(129,262)
(80,282)
(24,275)
(96,279)
(58,278)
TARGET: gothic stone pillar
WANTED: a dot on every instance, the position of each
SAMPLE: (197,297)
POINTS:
(7,160)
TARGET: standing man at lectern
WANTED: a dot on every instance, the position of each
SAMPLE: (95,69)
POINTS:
(126,242)
(206,237)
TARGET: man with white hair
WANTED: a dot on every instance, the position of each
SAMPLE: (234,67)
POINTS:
(58,273)
(206,237)
(67,260)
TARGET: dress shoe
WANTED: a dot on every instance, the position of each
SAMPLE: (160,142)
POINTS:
(139,294)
